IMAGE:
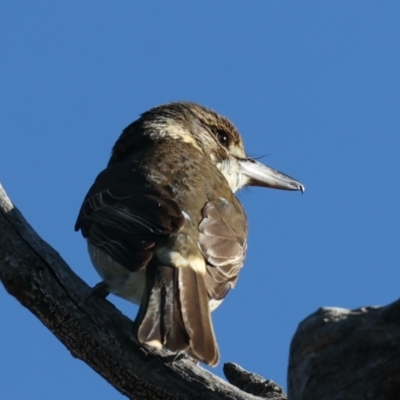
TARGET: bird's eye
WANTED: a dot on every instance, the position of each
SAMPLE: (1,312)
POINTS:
(222,138)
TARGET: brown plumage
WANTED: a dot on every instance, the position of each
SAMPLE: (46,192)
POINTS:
(163,225)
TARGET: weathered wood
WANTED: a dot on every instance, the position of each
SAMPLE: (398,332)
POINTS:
(253,383)
(94,331)
(340,354)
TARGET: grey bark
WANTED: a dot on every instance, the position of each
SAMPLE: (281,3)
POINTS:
(97,333)
(340,354)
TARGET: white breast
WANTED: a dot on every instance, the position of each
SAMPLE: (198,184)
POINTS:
(120,281)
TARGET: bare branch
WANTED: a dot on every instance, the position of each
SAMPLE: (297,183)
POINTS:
(253,383)
(94,331)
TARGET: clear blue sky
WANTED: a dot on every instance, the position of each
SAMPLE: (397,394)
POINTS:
(314,88)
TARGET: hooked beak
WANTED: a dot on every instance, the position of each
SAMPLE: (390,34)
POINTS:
(260,175)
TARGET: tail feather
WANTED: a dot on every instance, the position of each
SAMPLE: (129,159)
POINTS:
(159,321)
(196,316)
(174,313)
(172,328)
(147,323)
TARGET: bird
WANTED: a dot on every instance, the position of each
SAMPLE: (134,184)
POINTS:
(164,228)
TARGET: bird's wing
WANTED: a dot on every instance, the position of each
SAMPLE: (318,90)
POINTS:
(123,214)
(223,241)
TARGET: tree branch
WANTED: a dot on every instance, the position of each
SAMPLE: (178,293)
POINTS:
(95,331)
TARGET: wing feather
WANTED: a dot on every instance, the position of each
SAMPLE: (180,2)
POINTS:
(124,215)
(223,241)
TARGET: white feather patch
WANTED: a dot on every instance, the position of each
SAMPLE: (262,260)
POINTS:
(179,261)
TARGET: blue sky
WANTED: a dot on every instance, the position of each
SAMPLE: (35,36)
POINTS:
(314,88)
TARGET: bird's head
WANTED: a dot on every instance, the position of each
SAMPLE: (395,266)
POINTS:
(210,133)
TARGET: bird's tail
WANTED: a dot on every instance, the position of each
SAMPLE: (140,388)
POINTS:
(174,313)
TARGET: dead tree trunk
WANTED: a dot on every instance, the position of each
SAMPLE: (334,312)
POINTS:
(339,354)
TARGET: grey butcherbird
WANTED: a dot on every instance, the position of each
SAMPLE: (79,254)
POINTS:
(163,226)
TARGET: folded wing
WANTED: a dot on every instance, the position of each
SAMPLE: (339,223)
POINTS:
(223,241)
